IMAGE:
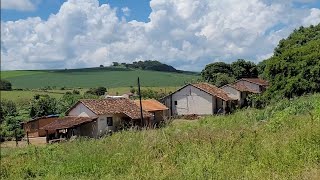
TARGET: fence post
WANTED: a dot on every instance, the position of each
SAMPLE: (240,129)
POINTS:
(16,136)
(28,138)
(47,136)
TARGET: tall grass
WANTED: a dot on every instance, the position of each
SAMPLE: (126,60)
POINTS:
(281,141)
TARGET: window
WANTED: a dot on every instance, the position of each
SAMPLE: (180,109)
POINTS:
(175,102)
(109,121)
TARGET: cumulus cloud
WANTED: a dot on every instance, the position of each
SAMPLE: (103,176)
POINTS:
(185,33)
(20,5)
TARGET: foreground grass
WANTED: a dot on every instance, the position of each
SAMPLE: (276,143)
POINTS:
(279,142)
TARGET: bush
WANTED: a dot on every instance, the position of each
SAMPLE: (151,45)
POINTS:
(5,85)
(97,91)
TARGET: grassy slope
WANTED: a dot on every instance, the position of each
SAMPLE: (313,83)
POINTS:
(279,142)
(107,77)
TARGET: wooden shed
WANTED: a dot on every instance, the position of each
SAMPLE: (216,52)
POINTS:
(159,111)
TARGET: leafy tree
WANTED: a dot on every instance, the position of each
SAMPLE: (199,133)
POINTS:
(5,85)
(97,91)
(244,69)
(222,79)
(209,73)
(294,69)
(115,63)
(43,106)
(7,108)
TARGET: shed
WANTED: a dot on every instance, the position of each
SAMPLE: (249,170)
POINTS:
(158,110)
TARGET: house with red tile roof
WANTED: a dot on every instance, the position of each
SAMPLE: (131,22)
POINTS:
(96,117)
(243,87)
(198,99)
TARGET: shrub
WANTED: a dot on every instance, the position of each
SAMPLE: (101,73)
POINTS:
(5,85)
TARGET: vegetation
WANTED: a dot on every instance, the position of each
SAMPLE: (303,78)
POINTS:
(94,77)
(99,91)
(294,68)
(148,65)
(43,106)
(281,141)
(5,85)
(220,73)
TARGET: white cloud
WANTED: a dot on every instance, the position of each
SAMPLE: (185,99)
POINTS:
(20,5)
(313,18)
(125,11)
(185,33)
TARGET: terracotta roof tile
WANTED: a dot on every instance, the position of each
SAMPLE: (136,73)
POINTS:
(256,81)
(242,88)
(67,122)
(114,106)
(213,90)
(151,105)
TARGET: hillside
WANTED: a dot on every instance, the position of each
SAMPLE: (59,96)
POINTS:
(281,141)
(92,77)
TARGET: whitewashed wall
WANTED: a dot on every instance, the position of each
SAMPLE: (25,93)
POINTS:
(82,111)
(232,92)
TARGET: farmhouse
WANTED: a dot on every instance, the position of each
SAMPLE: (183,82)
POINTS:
(96,117)
(243,87)
(34,126)
(199,99)
(159,111)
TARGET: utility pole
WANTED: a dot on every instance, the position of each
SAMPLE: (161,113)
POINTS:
(141,113)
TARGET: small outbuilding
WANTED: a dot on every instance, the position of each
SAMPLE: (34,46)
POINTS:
(34,126)
(159,111)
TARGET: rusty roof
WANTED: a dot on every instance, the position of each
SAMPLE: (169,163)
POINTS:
(242,88)
(213,90)
(256,81)
(151,105)
(114,106)
(68,122)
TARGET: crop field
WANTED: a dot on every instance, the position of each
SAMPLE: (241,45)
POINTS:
(86,78)
(281,141)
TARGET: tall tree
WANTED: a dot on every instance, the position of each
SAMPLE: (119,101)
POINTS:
(244,69)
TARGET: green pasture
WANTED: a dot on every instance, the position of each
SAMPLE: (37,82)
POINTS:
(86,78)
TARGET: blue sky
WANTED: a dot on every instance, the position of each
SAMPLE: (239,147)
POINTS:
(139,9)
(188,34)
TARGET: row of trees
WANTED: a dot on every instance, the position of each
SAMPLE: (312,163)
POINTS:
(147,65)
(221,73)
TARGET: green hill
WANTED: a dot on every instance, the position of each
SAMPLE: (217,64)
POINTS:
(281,141)
(92,77)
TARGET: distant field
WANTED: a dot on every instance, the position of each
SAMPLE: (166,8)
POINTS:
(86,78)
(25,96)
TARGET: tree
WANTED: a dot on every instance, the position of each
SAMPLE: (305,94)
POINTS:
(97,91)
(101,66)
(294,69)
(218,73)
(43,106)
(5,85)
(244,69)
(7,108)
(115,63)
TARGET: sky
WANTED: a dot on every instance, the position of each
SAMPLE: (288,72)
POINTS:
(187,34)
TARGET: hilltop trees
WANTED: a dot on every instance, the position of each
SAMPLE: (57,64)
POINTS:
(220,73)
(294,69)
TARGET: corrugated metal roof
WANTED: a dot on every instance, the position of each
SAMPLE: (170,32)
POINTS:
(151,105)
(114,106)
(213,90)
(68,122)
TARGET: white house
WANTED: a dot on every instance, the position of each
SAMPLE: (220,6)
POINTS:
(199,99)
(96,117)
(243,87)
